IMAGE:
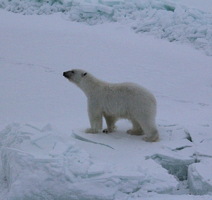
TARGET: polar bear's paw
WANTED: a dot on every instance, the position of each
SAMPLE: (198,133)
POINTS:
(91,130)
(109,130)
(154,138)
(106,130)
(135,132)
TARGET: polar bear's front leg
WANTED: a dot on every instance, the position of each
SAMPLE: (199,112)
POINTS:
(110,121)
(95,121)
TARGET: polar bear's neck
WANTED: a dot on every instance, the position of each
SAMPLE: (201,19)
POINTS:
(91,85)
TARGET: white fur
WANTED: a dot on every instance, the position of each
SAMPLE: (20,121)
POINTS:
(114,101)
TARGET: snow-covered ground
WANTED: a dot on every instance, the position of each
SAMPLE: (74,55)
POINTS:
(184,21)
(45,153)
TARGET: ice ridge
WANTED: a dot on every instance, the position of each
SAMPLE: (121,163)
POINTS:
(162,18)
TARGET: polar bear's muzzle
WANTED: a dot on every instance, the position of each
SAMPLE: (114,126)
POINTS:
(66,74)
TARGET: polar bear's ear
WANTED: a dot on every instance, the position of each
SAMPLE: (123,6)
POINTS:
(84,74)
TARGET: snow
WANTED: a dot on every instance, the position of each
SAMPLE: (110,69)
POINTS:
(59,169)
(44,151)
(200,181)
(201,5)
(177,166)
(176,21)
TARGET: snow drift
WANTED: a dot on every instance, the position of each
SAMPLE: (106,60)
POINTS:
(162,18)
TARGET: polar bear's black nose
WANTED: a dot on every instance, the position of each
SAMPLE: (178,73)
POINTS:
(65,74)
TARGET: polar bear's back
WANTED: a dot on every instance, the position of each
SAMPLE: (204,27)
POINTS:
(130,91)
(127,99)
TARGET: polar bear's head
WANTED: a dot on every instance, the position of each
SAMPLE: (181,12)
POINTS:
(75,75)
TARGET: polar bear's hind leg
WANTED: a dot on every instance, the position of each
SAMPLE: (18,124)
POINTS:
(136,130)
(151,132)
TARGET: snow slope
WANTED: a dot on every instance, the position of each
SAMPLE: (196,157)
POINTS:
(44,152)
(181,21)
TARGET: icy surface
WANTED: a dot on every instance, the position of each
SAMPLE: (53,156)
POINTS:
(46,154)
(199,178)
(58,169)
(176,165)
(162,18)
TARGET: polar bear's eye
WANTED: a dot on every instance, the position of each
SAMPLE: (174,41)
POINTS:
(84,74)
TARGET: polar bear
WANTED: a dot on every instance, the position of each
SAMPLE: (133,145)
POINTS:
(117,100)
